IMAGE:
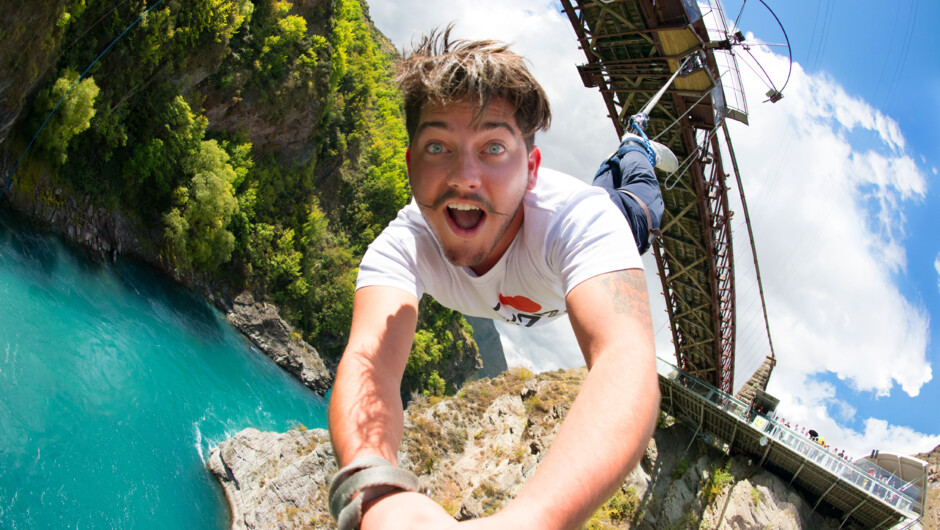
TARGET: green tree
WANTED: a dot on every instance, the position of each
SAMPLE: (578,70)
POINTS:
(196,227)
(285,269)
(426,353)
(76,108)
(330,266)
(176,140)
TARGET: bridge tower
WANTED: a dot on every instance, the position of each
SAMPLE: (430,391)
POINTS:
(632,48)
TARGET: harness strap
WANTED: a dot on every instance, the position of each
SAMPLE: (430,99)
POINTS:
(654,232)
(371,477)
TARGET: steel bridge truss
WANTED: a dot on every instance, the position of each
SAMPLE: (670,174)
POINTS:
(632,49)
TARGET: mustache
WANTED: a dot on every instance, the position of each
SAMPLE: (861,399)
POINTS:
(450,194)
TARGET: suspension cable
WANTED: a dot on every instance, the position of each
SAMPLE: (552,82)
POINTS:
(684,114)
(750,234)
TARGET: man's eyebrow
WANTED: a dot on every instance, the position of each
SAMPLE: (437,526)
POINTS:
(484,126)
(497,125)
(437,124)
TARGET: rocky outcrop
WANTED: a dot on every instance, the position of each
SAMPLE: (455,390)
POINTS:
(106,233)
(276,480)
(475,451)
(261,323)
(931,519)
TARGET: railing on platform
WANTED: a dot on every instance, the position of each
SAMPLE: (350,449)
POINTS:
(866,476)
(734,104)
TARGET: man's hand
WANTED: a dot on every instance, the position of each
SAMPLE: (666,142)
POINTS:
(406,511)
(414,511)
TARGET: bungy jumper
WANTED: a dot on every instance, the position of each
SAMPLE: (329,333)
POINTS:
(630,182)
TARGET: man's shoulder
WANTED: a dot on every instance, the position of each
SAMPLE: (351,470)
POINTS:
(551,180)
(407,234)
(408,221)
(554,190)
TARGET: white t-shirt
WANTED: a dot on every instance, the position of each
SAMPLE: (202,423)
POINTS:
(570,232)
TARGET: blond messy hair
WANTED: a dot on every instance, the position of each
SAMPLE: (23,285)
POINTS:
(439,70)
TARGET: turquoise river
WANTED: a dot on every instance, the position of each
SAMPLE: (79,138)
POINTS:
(114,386)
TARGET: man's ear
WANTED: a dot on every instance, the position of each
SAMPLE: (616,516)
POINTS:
(408,163)
(535,160)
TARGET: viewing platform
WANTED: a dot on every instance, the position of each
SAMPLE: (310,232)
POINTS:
(865,495)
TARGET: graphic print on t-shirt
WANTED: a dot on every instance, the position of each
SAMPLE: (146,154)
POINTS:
(520,302)
(528,310)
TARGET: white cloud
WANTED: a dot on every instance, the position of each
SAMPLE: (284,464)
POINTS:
(811,410)
(828,222)
(827,211)
(936,266)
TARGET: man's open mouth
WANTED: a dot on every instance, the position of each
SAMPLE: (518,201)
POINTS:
(465,217)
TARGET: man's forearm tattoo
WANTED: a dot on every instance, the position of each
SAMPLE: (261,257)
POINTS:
(628,294)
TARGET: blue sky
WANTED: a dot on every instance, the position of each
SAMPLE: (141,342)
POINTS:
(841,183)
(885,56)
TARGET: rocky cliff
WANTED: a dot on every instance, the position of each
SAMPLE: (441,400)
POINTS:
(931,519)
(491,349)
(474,451)
(261,323)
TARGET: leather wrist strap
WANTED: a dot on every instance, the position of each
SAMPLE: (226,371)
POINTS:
(365,478)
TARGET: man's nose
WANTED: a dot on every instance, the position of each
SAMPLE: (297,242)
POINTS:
(466,173)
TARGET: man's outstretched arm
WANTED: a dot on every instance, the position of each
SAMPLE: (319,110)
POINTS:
(365,413)
(365,416)
(610,423)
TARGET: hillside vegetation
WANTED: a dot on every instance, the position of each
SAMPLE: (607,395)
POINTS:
(256,144)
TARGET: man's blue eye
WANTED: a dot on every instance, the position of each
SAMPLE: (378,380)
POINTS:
(494,149)
(435,149)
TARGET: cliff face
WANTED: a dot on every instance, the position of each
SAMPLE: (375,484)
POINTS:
(491,349)
(931,519)
(28,43)
(474,451)
(261,323)
(241,146)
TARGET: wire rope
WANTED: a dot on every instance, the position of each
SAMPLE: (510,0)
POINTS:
(765,78)
(684,114)
(906,48)
(785,36)
(824,35)
(789,49)
(689,160)
(737,18)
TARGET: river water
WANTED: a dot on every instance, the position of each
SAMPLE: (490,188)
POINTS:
(114,385)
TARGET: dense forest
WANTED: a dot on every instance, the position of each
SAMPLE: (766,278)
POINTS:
(259,144)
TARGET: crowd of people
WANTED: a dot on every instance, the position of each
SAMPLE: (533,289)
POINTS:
(809,443)
(863,474)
